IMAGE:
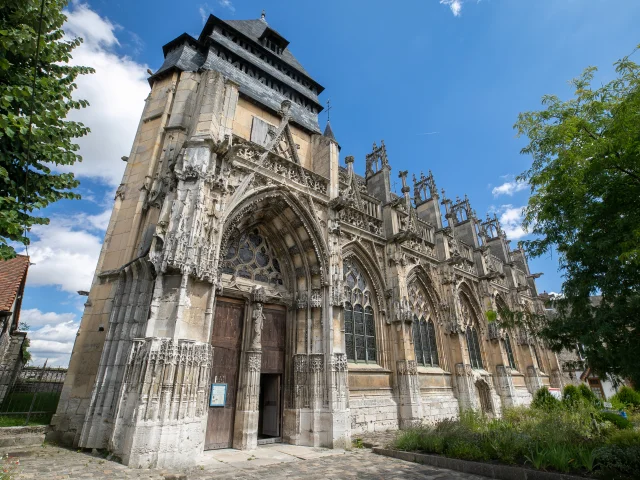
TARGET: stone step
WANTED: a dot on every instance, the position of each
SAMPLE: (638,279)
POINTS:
(22,436)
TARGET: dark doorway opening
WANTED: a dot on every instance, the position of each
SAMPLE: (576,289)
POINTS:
(270,411)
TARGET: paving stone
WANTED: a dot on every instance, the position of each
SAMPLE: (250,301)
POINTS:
(271,463)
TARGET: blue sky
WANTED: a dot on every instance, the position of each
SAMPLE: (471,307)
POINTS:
(442,82)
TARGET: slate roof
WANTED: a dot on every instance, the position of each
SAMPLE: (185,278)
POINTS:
(186,53)
(254,30)
(12,275)
(328,132)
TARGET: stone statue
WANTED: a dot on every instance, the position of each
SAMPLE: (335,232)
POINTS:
(258,320)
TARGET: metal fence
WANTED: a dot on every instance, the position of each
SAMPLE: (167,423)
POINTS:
(33,398)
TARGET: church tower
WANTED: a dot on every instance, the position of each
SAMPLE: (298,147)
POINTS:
(251,290)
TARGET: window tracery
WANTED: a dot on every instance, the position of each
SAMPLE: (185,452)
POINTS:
(250,256)
(359,326)
(509,351)
(473,344)
(424,332)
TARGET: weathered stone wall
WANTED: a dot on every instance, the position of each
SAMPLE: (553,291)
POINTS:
(117,250)
(373,411)
(10,360)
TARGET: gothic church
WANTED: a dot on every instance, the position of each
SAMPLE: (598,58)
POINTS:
(252,289)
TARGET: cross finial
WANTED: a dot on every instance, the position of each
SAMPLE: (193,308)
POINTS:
(329,107)
(263,15)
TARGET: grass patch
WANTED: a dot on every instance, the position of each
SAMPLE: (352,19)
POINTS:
(21,402)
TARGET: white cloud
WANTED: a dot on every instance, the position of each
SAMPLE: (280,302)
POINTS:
(454,5)
(116,93)
(509,188)
(95,30)
(66,251)
(511,221)
(61,333)
(53,340)
(227,4)
(36,319)
(204,12)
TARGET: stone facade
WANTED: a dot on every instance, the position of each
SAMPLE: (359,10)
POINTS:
(232,194)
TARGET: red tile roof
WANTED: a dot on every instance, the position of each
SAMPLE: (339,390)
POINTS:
(12,275)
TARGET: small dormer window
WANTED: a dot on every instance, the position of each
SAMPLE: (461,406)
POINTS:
(273,46)
(273,41)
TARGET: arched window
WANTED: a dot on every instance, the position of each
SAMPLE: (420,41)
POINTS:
(424,331)
(250,256)
(474,347)
(424,342)
(507,348)
(359,326)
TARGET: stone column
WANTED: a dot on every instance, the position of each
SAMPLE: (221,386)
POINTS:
(533,379)
(465,386)
(245,432)
(409,393)
(407,380)
(338,392)
(504,386)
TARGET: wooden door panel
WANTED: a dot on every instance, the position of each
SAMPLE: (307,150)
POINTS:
(273,340)
(226,339)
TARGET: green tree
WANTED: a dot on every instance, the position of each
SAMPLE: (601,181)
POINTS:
(35,123)
(585,205)
(26,354)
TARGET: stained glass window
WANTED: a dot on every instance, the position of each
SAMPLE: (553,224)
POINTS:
(424,342)
(509,351)
(250,256)
(424,331)
(474,348)
(359,325)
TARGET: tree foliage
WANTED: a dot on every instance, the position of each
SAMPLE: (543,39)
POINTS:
(585,205)
(51,136)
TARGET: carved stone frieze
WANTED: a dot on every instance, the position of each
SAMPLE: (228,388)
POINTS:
(254,360)
(358,219)
(302,301)
(316,298)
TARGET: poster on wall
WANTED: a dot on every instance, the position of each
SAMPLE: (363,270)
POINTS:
(218,395)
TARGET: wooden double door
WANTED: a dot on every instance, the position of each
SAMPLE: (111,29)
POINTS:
(226,340)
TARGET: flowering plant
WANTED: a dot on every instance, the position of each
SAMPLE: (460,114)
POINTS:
(8,466)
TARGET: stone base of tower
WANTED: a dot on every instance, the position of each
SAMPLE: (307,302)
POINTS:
(161,412)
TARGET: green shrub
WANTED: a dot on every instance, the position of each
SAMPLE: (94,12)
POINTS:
(503,443)
(587,394)
(409,440)
(559,456)
(537,458)
(586,458)
(432,443)
(543,400)
(624,438)
(466,450)
(617,462)
(627,397)
(571,396)
(473,420)
(616,419)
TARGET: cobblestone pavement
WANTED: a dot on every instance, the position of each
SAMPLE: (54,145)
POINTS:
(265,463)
